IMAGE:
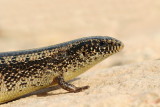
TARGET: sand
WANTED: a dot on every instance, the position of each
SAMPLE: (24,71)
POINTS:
(130,78)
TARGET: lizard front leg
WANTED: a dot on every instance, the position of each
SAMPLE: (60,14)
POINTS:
(67,86)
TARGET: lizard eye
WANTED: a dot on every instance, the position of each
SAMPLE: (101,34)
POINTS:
(102,43)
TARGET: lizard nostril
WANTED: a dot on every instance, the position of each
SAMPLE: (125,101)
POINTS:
(84,53)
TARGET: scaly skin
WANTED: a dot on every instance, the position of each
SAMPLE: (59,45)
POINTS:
(22,72)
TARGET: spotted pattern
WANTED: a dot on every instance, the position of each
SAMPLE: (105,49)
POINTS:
(22,72)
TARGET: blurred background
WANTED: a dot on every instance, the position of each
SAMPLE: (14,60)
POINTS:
(26,24)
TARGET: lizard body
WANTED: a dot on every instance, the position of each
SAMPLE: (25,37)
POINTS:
(22,72)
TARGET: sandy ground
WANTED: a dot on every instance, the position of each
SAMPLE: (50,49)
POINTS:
(127,79)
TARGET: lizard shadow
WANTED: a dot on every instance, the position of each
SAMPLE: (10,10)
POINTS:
(45,92)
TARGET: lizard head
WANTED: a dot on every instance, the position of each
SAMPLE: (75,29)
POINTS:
(96,46)
(84,53)
(105,46)
(93,49)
